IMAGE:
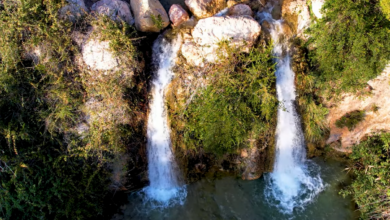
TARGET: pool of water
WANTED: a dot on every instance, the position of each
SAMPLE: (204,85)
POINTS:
(226,197)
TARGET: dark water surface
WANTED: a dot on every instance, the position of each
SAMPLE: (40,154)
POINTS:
(226,197)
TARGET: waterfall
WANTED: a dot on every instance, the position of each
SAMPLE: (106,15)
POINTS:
(163,172)
(294,181)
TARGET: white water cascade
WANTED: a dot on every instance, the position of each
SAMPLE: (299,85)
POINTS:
(295,181)
(164,186)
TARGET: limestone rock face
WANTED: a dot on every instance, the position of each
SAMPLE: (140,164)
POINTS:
(240,9)
(205,8)
(178,15)
(236,29)
(240,31)
(144,12)
(116,9)
(296,12)
(316,6)
(73,11)
(98,56)
(377,110)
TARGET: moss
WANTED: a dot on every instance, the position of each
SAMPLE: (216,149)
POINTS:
(351,119)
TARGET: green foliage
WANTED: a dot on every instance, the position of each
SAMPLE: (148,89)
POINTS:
(352,44)
(157,21)
(313,113)
(46,170)
(351,119)
(238,104)
(385,5)
(371,185)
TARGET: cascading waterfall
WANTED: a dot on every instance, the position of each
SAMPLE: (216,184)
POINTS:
(163,173)
(294,181)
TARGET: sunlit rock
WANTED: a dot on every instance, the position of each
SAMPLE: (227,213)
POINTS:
(240,9)
(238,31)
(316,6)
(205,8)
(178,15)
(150,15)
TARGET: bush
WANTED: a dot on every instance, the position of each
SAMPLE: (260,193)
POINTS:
(352,44)
(385,5)
(371,185)
(237,106)
(350,120)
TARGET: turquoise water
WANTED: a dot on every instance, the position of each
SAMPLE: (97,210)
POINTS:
(226,197)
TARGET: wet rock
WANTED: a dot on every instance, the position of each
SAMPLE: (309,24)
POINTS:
(150,15)
(205,8)
(73,11)
(117,10)
(178,15)
(240,9)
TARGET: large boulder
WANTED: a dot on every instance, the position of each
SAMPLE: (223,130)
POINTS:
(116,9)
(239,31)
(316,6)
(178,15)
(205,8)
(240,9)
(73,11)
(150,15)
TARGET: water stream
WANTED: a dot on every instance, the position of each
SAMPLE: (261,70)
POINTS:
(165,187)
(295,181)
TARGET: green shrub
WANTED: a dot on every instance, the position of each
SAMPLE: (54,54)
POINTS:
(371,185)
(385,5)
(238,105)
(352,44)
(351,119)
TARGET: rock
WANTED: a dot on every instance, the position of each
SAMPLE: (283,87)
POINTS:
(178,15)
(73,11)
(240,9)
(117,10)
(150,15)
(316,6)
(296,13)
(377,119)
(205,8)
(98,55)
(240,31)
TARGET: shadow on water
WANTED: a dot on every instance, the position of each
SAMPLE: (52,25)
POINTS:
(230,198)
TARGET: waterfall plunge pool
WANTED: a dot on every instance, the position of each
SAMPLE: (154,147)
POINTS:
(222,196)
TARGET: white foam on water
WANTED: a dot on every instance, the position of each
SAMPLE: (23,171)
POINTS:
(165,188)
(295,181)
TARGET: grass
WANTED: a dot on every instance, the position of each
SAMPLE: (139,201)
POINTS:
(351,119)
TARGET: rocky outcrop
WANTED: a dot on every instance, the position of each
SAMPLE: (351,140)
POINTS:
(376,105)
(297,14)
(73,11)
(178,15)
(98,56)
(116,9)
(150,15)
(205,8)
(238,31)
(240,9)
(316,6)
